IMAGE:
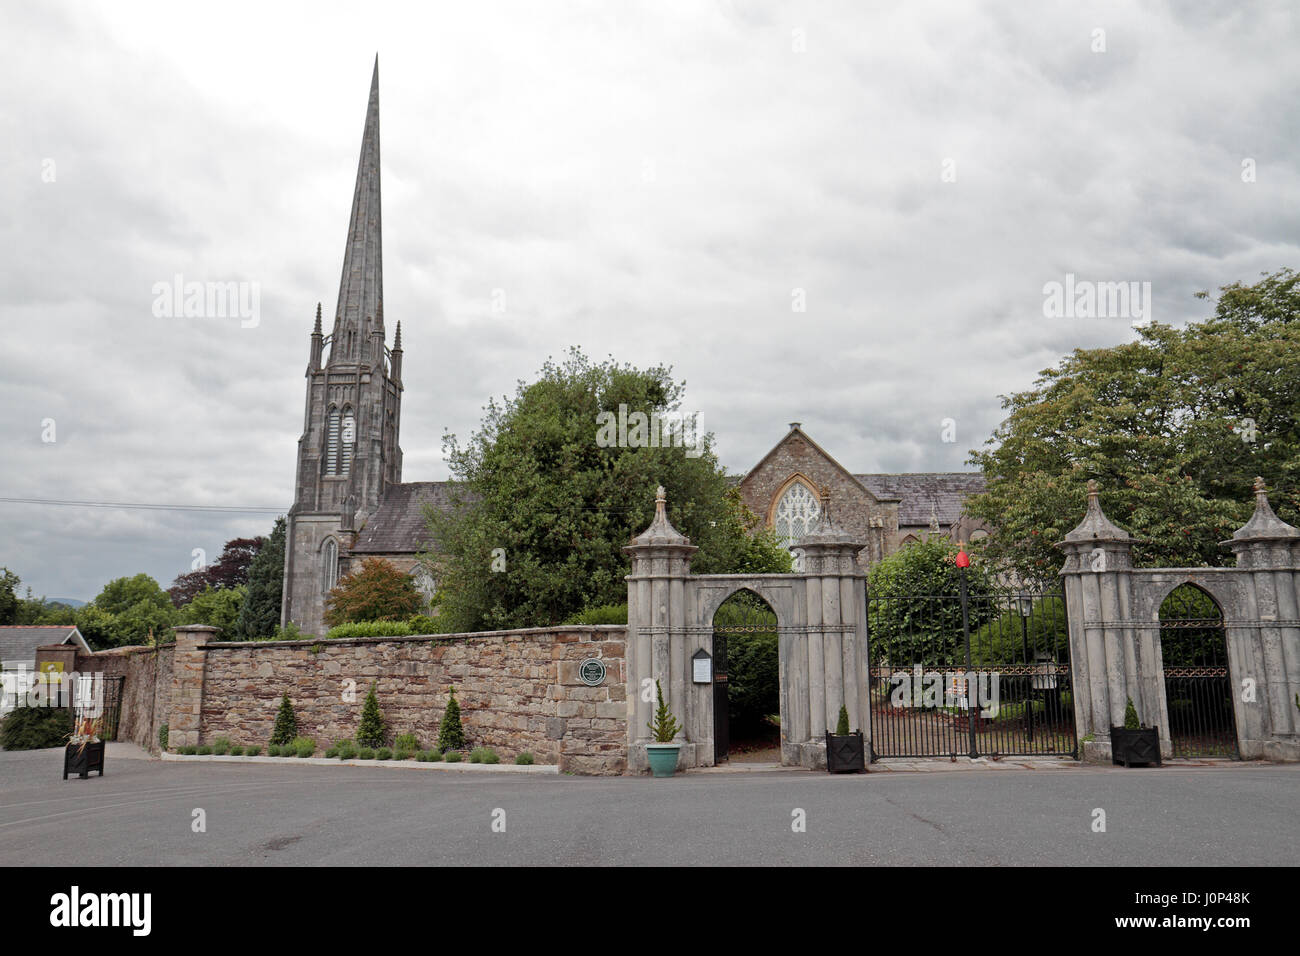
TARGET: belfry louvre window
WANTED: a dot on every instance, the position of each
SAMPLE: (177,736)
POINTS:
(349,441)
(796,513)
(332,442)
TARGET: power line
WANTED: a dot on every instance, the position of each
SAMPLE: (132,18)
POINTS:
(142,506)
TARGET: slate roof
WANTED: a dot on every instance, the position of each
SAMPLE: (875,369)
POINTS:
(918,490)
(20,643)
(398,526)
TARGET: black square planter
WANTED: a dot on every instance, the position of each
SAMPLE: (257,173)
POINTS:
(80,760)
(845,753)
(1135,746)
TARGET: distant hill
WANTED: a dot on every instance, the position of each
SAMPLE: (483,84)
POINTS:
(70,602)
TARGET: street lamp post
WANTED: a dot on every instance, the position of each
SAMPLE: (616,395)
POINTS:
(963,562)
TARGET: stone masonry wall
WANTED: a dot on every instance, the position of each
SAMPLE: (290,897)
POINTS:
(518,691)
(145,699)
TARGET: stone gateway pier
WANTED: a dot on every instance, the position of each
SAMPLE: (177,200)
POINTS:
(822,640)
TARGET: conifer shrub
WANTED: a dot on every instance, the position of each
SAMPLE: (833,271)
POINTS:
(406,742)
(383,753)
(345,749)
(331,753)
(453,756)
(371,731)
(189,750)
(451,735)
(665,726)
(1131,716)
(524,759)
(302,747)
(236,751)
(365,753)
(842,725)
(205,751)
(401,755)
(162,736)
(286,723)
(221,746)
(252,751)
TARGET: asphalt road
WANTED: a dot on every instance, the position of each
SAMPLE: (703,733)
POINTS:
(141,814)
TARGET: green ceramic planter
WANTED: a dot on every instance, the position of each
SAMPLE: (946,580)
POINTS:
(663,758)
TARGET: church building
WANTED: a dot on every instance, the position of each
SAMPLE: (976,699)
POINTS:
(350,502)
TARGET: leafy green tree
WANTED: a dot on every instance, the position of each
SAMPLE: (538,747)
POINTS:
(914,604)
(9,599)
(372,729)
(286,723)
(129,611)
(230,570)
(451,735)
(218,608)
(1173,426)
(377,592)
(260,615)
(547,503)
(123,593)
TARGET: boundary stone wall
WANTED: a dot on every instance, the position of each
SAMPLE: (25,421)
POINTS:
(518,690)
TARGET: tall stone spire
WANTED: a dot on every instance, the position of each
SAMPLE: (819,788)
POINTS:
(361,288)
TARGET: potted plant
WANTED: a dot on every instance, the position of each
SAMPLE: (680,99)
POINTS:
(85,750)
(845,752)
(1134,743)
(663,752)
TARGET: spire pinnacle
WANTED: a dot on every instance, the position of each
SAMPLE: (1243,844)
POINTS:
(397,342)
(361,287)
(317,330)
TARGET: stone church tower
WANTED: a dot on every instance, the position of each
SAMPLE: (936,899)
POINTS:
(348,456)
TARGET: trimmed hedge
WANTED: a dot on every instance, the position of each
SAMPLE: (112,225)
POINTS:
(35,728)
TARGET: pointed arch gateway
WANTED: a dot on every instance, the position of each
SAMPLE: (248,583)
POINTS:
(746,677)
(819,615)
(1198,681)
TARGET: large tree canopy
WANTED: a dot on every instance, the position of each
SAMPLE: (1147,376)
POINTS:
(549,502)
(128,611)
(230,570)
(260,615)
(1174,426)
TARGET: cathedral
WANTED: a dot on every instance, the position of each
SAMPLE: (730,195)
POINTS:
(350,502)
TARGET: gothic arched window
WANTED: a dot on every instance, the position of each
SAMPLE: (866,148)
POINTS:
(330,565)
(349,440)
(332,427)
(796,513)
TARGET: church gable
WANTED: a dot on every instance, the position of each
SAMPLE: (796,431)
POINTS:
(779,487)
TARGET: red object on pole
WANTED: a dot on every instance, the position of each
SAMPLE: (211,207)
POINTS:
(963,559)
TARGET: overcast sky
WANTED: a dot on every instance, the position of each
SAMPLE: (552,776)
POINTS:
(652,181)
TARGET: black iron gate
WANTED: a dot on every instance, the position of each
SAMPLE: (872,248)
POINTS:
(984,674)
(107,711)
(1198,687)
